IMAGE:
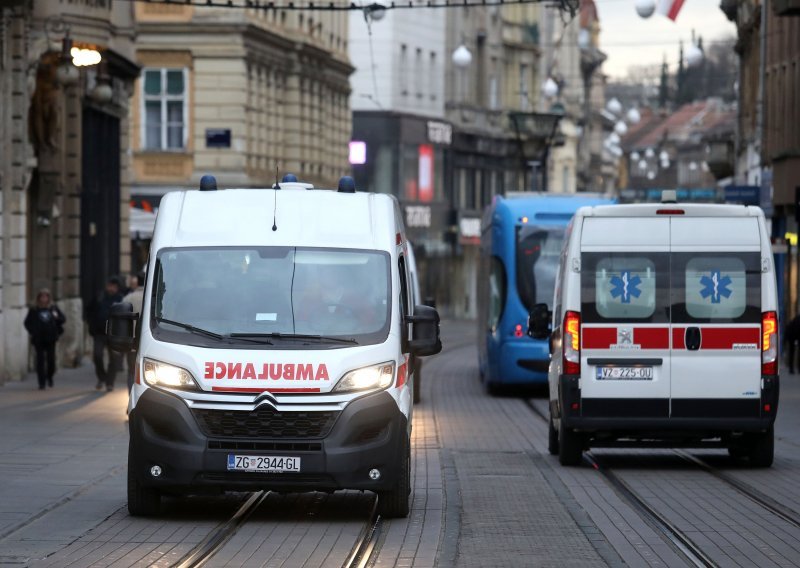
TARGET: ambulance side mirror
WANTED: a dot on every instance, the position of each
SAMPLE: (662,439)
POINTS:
(425,322)
(121,327)
(539,322)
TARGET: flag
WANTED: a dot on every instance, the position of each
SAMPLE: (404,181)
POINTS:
(670,8)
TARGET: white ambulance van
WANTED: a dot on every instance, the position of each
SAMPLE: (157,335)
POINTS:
(664,331)
(273,346)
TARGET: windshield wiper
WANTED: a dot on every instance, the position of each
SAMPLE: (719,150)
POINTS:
(190,327)
(276,335)
(207,333)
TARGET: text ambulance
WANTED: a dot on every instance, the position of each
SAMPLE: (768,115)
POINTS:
(273,346)
(664,329)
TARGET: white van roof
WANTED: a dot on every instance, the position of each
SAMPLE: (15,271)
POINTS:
(652,210)
(244,217)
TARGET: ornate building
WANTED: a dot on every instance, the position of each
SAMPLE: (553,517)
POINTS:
(63,138)
(244,94)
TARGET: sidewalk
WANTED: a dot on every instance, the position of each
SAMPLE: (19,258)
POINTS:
(58,445)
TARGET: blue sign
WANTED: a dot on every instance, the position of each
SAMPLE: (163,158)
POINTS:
(218,137)
(744,194)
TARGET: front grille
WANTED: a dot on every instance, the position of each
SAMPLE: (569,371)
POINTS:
(266,446)
(264,422)
(541,366)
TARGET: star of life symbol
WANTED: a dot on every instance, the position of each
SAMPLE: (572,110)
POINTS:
(624,336)
(624,286)
(715,286)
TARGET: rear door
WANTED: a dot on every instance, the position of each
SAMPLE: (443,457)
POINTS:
(625,295)
(716,317)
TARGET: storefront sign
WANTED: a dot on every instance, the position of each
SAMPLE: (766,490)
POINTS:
(469,230)
(218,138)
(418,216)
(440,133)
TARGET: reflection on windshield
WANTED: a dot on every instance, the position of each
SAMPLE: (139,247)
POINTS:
(275,290)
(538,250)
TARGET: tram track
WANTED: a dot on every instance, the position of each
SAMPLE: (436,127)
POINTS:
(671,533)
(361,555)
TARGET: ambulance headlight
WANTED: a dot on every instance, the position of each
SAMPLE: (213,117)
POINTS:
(158,374)
(367,378)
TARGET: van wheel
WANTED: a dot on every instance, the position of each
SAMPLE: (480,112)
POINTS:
(570,446)
(142,501)
(395,503)
(762,450)
(417,380)
(552,437)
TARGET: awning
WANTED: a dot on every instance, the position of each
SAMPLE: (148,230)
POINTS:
(141,223)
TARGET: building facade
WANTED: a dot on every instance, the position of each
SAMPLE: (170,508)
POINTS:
(245,94)
(62,164)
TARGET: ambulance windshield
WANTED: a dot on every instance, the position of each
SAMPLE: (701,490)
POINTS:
(538,249)
(335,293)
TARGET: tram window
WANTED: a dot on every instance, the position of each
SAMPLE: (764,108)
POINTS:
(538,251)
(497,292)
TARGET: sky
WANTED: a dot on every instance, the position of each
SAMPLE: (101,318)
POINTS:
(630,40)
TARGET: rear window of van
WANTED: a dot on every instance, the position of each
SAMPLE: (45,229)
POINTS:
(625,286)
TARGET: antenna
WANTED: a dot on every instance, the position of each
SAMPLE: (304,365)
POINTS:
(275,202)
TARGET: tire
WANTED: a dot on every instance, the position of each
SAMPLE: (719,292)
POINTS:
(737,452)
(395,503)
(552,437)
(570,446)
(762,449)
(142,501)
(417,380)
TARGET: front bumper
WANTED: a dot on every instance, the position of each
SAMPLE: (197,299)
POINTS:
(523,362)
(367,434)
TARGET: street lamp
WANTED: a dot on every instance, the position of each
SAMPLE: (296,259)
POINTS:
(645,8)
(462,57)
(541,126)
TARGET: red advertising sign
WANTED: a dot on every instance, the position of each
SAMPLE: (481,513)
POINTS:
(425,177)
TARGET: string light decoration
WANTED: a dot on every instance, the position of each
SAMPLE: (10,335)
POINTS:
(570,6)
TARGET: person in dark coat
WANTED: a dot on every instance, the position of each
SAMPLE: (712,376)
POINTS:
(45,323)
(791,335)
(97,314)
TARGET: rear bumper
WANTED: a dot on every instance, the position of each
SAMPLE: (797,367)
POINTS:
(367,434)
(665,418)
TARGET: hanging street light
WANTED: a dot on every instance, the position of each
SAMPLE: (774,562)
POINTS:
(633,116)
(645,8)
(614,106)
(621,128)
(694,56)
(462,56)
(549,88)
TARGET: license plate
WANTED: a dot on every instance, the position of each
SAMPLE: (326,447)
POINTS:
(263,464)
(625,373)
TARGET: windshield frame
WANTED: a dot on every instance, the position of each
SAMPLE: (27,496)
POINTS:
(231,341)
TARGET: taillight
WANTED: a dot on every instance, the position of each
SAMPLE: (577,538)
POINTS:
(769,343)
(518,331)
(572,343)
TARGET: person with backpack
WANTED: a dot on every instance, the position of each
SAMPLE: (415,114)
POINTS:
(45,324)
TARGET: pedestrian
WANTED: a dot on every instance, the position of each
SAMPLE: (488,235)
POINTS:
(97,316)
(135,296)
(791,336)
(45,323)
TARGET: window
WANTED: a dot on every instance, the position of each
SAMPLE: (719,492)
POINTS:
(538,250)
(523,87)
(497,292)
(625,287)
(262,290)
(164,116)
(404,69)
(716,288)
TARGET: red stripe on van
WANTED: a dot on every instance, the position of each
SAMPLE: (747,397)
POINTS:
(257,390)
(726,337)
(651,337)
(718,337)
(678,334)
(599,337)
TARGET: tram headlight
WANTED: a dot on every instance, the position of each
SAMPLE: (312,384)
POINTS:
(375,377)
(158,374)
